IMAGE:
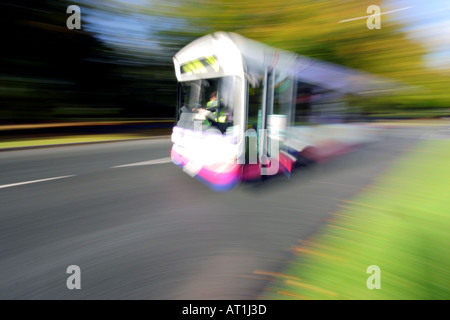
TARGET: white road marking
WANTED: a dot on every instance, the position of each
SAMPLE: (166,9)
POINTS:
(32,181)
(146,163)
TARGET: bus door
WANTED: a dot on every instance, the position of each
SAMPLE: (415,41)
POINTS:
(280,115)
(255,125)
(270,110)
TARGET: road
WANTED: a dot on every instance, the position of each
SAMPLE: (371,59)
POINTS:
(149,231)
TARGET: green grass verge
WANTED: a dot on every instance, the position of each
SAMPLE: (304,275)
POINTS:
(32,142)
(400,223)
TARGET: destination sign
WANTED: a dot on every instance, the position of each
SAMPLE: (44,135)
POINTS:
(201,66)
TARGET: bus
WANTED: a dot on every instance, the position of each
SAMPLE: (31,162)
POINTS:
(245,110)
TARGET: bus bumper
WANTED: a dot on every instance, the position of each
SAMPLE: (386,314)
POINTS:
(219,177)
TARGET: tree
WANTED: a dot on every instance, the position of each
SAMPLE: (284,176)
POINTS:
(45,65)
(312,28)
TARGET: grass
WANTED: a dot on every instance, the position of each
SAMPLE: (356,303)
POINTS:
(32,142)
(400,224)
(45,134)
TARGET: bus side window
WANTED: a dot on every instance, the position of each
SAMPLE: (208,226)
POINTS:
(283,97)
(303,104)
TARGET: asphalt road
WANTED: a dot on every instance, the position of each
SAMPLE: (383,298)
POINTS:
(149,231)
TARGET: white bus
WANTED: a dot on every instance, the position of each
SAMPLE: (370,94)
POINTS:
(246,109)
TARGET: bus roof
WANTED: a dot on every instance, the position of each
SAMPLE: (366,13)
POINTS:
(255,58)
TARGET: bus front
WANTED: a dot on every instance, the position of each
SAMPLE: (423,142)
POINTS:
(208,135)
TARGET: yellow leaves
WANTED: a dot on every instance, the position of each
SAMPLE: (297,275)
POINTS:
(313,28)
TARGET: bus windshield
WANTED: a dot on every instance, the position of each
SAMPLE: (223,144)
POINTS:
(208,101)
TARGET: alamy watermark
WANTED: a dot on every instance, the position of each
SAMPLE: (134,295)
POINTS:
(269,150)
(374,19)
(74,280)
(374,281)
(74,20)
